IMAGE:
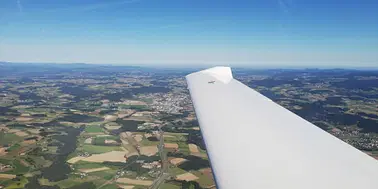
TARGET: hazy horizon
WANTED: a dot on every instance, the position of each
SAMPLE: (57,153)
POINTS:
(198,66)
(246,33)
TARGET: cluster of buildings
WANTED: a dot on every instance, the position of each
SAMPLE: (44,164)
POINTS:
(82,175)
(122,173)
(4,168)
(84,154)
(172,102)
(362,141)
(154,164)
(141,178)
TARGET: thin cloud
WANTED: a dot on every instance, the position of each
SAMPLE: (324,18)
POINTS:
(19,5)
(96,6)
(106,5)
(167,27)
(284,6)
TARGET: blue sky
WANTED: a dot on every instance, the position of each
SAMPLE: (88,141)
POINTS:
(251,33)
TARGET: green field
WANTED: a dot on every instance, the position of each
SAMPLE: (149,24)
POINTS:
(100,140)
(18,168)
(170,186)
(93,149)
(73,154)
(106,175)
(19,184)
(37,161)
(8,138)
(6,160)
(108,137)
(146,142)
(72,180)
(110,186)
(170,139)
(52,149)
(203,179)
(14,147)
(93,129)
(184,148)
(176,171)
(87,165)
(203,152)
(135,107)
(176,134)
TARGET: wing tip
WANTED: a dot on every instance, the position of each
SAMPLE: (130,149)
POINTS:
(221,73)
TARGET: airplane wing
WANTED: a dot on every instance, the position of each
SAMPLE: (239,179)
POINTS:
(254,143)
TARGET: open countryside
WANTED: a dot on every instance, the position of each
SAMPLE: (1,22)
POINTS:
(136,128)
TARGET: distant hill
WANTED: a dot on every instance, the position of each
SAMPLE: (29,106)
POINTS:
(30,69)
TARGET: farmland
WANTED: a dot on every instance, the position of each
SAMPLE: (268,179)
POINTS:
(90,126)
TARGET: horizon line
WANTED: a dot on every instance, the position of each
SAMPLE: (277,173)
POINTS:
(197,65)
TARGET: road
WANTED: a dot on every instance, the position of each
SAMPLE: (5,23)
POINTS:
(135,144)
(115,176)
(164,175)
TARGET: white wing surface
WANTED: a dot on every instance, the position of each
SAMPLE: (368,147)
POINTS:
(255,143)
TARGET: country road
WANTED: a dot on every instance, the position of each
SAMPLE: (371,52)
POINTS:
(164,163)
(131,140)
(164,175)
(114,177)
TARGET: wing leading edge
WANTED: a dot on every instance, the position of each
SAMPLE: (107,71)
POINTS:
(255,143)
